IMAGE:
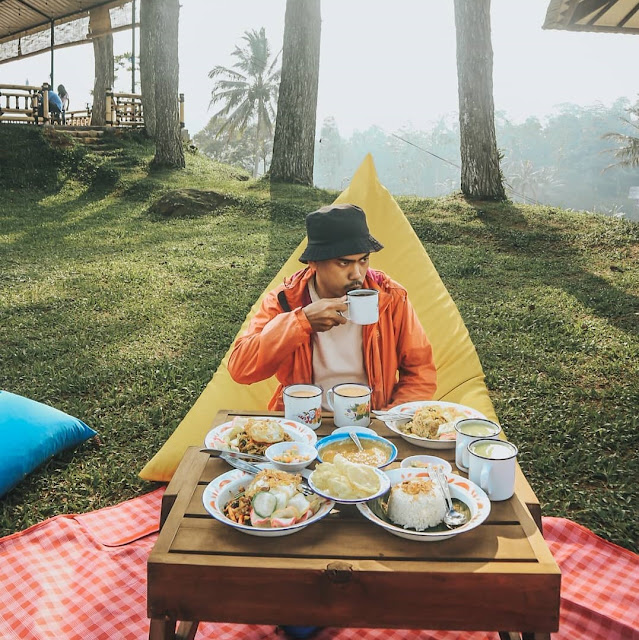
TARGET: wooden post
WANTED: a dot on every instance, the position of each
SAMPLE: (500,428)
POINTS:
(45,103)
(182,111)
(133,48)
(52,49)
(109,108)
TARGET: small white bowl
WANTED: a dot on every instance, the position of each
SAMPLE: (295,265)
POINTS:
(305,451)
(416,462)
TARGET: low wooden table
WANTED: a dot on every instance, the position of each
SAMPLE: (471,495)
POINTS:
(345,571)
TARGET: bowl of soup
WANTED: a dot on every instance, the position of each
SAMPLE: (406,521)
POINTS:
(377,451)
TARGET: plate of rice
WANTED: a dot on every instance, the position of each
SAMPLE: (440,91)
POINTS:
(414,507)
(430,423)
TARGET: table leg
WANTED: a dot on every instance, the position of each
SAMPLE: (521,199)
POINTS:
(526,635)
(187,630)
(162,629)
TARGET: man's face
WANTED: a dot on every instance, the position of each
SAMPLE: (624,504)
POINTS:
(334,278)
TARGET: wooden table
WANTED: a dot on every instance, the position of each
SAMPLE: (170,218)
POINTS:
(345,571)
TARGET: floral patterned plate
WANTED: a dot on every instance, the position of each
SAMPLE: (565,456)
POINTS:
(462,491)
(217,438)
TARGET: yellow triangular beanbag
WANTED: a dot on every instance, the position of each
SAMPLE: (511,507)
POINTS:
(459,374)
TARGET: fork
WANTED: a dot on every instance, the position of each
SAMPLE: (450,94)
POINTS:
(394,415)
(248,467)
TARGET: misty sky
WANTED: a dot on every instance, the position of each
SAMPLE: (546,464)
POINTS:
(386,63)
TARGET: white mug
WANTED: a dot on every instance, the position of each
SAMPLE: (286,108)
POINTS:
(362,306)
(469,430)
(351,404)
(303,402)
(492,467)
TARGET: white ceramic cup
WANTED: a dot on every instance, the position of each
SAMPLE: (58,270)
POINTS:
(351,404)
(468,430)
(492,467)
(362,306)
(303,402)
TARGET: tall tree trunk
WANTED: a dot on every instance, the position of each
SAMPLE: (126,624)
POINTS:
(148,17)
(100,25)
(168,141)
(480,174)
(294,141)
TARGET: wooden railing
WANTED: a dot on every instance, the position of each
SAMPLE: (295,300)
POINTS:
(80,118)
(19,103)
(30,105)
(125,109)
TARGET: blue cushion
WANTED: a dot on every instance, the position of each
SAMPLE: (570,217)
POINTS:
(30,433)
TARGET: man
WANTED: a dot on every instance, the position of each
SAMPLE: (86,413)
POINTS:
(55,106)
(300,335)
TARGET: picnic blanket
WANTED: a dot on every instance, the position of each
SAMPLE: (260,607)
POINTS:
(83,577)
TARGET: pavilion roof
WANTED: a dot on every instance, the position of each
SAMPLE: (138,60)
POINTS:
(26,25)
(612,16)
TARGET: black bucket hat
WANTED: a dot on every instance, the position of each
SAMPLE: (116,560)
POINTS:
(337,230)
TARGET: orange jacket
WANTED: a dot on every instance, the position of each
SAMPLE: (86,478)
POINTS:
(278,342)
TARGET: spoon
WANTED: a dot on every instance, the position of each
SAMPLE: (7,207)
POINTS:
(452,518)
(226,453)
(355,439)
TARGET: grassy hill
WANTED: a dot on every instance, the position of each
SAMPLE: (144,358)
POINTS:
(121,289)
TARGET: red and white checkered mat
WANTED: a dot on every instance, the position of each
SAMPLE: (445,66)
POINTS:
(84,578)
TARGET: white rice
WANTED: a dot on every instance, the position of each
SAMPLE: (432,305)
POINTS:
(416,504)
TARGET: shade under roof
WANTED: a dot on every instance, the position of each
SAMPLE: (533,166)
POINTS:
(19,18)
(612,16)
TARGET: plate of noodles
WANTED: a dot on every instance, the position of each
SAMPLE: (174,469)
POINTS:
(255,434)
(269,505)
(430,423)
(414,507)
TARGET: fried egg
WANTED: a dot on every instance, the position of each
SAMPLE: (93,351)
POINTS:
(266,431)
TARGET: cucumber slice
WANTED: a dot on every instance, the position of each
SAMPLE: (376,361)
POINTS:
(264,503)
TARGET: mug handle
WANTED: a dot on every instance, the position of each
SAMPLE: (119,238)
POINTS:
(329,399)
(346,314)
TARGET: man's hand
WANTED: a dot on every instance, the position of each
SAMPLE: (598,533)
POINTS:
(326,313)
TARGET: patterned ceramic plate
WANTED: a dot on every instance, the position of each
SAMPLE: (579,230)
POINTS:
(217,438)
(219,491)
(429,443)
(461,489)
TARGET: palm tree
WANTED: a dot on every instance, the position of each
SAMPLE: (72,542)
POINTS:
(627,153)
(249,90)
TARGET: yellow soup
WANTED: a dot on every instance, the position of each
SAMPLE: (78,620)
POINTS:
(374,454)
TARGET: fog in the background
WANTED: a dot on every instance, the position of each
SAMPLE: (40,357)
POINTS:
(385,64)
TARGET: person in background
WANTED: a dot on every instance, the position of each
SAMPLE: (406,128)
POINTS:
(300,335)
(55,106)
(64,98)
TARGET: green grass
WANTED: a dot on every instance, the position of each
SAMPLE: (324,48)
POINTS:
(121,317)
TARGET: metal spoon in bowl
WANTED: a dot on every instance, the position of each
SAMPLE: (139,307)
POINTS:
(355,439)
(452,518)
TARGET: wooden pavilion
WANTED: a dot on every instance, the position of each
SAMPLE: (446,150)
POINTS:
(607,16)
